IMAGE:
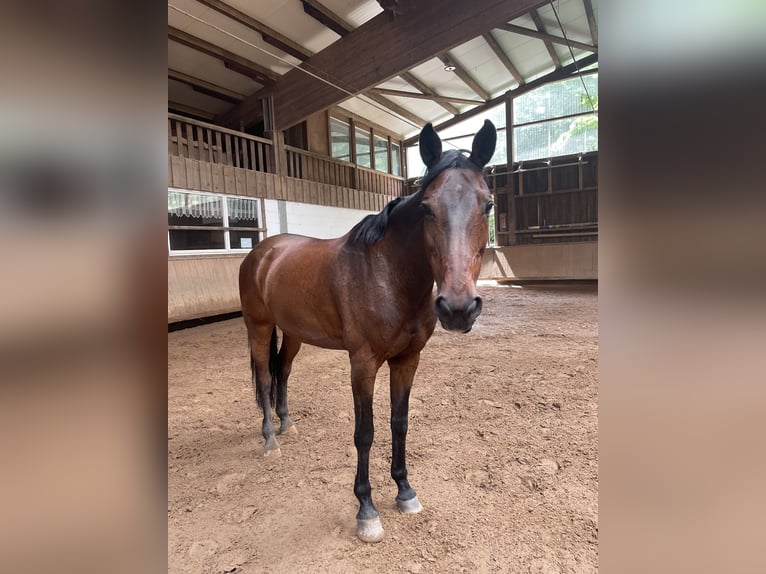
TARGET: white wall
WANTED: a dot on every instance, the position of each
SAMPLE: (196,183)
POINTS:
(311,220)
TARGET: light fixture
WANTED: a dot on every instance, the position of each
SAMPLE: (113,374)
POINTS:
(449,66)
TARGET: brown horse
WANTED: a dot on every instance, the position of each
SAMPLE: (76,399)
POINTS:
(370,293)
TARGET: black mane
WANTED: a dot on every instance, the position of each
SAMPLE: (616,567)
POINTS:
(373,227)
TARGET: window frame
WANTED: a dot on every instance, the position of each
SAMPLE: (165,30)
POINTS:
(372,132)
(226,228)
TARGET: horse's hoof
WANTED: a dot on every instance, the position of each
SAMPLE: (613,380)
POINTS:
(369,530)
(272,453)
(411,506)
(291,430)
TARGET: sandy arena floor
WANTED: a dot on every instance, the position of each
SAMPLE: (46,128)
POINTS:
(502,451)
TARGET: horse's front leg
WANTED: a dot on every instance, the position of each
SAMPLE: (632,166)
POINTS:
(363,370)
(402,374)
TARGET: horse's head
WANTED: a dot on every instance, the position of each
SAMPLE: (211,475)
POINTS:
(456,204)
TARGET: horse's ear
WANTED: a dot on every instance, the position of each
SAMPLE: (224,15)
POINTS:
(483,146)
(430,146)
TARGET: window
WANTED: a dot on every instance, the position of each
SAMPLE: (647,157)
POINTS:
(556,119)
(363,147)
(396,159)
(212,222)
(340,138)
(460,136)
(381,154)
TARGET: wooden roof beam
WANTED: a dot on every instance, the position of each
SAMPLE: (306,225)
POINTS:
(269,35)
(231,60)
(205,87)
(591,21)
(560,74)
(467,79)
(418,85)
(503,57)
(326,17)
(548,44)
(396,108)
(545,36)
(419,96)
(373,53)
(190,110)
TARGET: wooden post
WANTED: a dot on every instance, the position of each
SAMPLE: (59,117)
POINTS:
(510,185)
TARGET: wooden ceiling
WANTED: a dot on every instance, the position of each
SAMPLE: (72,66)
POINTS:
(383,60)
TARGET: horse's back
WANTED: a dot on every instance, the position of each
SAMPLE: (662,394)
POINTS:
(288,280)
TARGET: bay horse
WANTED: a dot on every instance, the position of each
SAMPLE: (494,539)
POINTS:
(370,293)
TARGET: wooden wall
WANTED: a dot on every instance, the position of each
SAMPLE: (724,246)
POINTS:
(202,286)
(542,261)
(192,174)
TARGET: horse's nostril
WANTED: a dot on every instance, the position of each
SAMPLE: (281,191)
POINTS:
(475,306)
(442,305)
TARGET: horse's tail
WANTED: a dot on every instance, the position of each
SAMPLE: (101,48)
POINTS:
(273,369)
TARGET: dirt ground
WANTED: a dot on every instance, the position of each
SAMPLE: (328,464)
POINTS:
(502,451)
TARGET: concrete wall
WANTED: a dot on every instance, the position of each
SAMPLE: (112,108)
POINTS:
(542,262)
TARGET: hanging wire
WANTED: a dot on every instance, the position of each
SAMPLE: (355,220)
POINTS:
(577,67)
(303,68)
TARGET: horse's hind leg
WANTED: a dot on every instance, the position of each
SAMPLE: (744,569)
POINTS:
(287,352)
(260,350)
(402,374)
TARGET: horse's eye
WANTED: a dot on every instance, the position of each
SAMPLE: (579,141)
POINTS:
(427,209)
(488,208)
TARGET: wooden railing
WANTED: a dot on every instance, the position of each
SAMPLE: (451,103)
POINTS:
(208,142)
(303,164)
(188,138)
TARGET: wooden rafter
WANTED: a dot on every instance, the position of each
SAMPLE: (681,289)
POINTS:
(418,85)
(591,21)
(548,37)
(559,74)
(463,74)
(548,44)
(233,61)
(205,87)
(373,53)
(396,108)
(326,17)
(419,96)
(190,110)
(503,57)
(268,34)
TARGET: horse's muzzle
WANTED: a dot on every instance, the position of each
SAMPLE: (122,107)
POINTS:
(457,317)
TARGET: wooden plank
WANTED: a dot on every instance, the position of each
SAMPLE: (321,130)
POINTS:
(419,96)
(178,172)
(205,87)
(356,56)
(592,25)
(180,139)
(463,74)
(503,57)
(205,176)
(233,61)
(541,35)
(427,90)
(396,108)
(548,45)
(239,181)
(192,173)
(218,181)
(229,158)
(326,17)
(268,34)
(229,181)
